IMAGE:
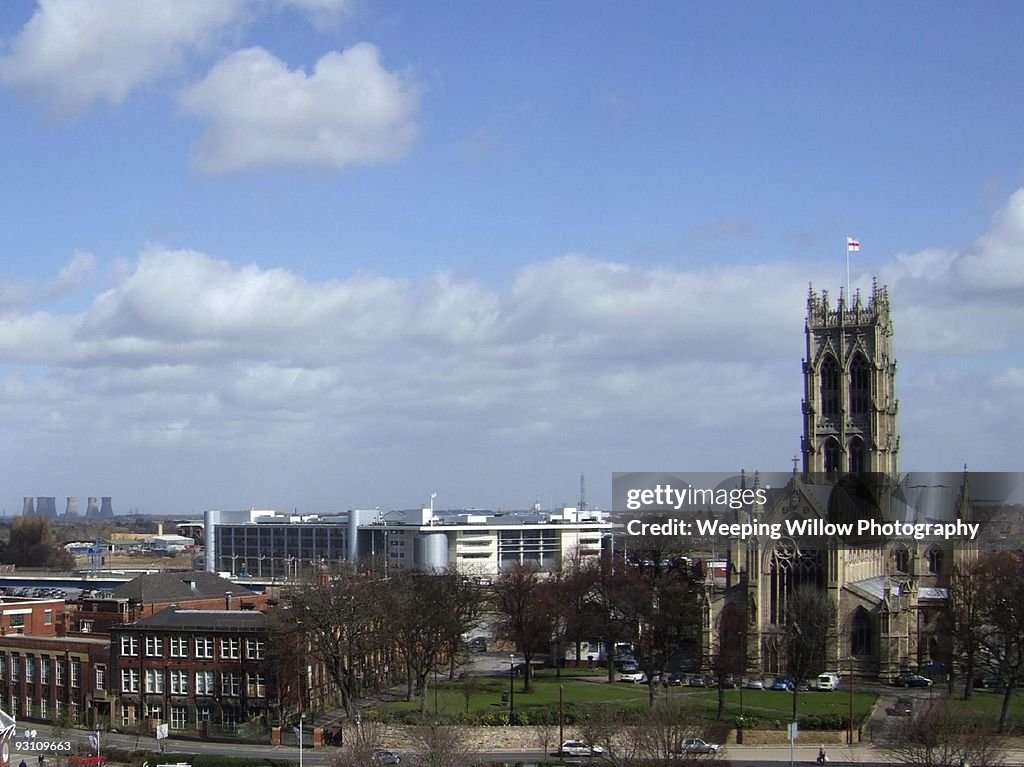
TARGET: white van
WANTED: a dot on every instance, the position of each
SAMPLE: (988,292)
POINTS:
(828,681)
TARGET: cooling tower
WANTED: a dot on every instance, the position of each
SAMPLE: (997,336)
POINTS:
(28,507)
(71,510)
(46,506)
(91,509)
(106,510)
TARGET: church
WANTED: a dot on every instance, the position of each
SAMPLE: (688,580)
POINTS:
(887,593)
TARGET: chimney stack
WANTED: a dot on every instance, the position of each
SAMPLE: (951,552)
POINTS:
(28,507)
(227,600)
(106,509)
(71,510)
(91,509)
(46,506)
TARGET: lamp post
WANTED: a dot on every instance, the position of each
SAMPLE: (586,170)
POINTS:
(511,689)
(851,701)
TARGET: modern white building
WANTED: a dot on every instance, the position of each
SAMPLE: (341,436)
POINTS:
(477,543)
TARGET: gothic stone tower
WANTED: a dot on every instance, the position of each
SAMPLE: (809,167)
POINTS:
(849,401)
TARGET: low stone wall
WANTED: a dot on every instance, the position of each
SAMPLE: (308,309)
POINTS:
(779,737)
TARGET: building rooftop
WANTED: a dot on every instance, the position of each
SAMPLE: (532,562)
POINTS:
(168,587)
(204,620)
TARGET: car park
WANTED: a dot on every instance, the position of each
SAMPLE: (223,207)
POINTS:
(697,746)
(579,748)
(912,680)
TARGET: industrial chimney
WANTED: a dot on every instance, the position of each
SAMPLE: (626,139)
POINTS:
(71,510)
(91,509)
(46,506)
(28,507)
(106,510)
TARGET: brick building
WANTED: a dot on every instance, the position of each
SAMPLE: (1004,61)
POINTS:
(197,670)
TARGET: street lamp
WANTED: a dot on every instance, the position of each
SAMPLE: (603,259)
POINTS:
(511,689)
(851,701)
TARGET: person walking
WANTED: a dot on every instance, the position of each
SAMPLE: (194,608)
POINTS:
(822,756)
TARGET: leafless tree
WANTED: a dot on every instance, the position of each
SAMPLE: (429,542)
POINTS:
(440,746)
(661,738)
(942,735)
(524,612)
(810,615)
(964,618)
(729,651)
(1002,605)
(358,749)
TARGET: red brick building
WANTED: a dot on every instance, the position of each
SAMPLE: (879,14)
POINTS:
(197,670)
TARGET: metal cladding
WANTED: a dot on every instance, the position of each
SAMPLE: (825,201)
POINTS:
(28,506)
(91,509)
(46,506)
(71,510)
(106,509)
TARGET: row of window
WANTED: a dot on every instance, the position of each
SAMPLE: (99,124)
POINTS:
(202,647)
(44,668)
(176,682)
(178,715)
(42,708)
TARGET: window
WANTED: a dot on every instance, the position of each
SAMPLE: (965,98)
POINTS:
(74,711)
(860,633)
(154,647)
(154,680)
(179,682)
(43,704)
(230,649)
(15,667)
(155,712)
(202,714)
(935,559)
(204,647)
(3,665)
(179,647)
(18,621)
(101,678)
(860,386)
(129,646)
(829,375)
(76,672)
(230,683)
(178,717)
(128,714)
(255,649)
(901,560)
(30,668)
(257,685)
(129,680)
(28,705)
(47,617)
(44,669)
(830,450)
(204,683)
(858,462)
(87,627)
(58,672)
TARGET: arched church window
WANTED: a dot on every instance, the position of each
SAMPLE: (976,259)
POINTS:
(857,458)
(860,386)
(829,374)
(901,560)
(830,453)
(936,557)
(860,632)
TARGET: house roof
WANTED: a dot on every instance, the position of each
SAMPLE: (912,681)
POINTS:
(200,620)
(181,586)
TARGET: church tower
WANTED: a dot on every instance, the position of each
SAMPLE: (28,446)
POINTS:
(849,404)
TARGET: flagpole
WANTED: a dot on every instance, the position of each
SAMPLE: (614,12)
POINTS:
(848,297)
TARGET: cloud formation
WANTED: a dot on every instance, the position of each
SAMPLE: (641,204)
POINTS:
(244,380)
(348,111)
(73,53)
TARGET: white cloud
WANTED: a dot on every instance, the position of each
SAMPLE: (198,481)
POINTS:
(323,14)
(254,385)
(73,53)
(349,111)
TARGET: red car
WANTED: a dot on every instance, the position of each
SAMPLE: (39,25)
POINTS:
(86,760)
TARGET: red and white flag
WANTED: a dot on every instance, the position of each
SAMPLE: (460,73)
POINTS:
(852,245)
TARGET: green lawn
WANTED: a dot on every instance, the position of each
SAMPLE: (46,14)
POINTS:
(589,690)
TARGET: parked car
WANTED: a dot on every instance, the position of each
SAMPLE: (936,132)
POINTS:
(677,679)
(383,756)
(912,680)
(781,683)
(628,665)
(696,680)
(579,748)
(697,746)
(636,677)
(754,683)
(987,681)
(902,707)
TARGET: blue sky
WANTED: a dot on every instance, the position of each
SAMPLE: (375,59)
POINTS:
(319,254)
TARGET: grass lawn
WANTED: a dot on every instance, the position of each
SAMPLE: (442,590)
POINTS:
(589,690)
(989,703)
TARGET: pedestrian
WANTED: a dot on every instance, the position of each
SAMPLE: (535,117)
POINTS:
(822,756)
(22,764)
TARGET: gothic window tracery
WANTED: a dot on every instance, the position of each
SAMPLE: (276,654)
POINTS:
(789,569)
(901,560)
(830,455)
(829,375)
(857,457)
(860,386)
(860,632)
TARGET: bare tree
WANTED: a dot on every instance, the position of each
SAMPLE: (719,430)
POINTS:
(359,747)
(524,612)
(1002,605)
(729,652)
(617,739)
(809,616)
(441,746)
(942,735)
(964,618)
(666,729)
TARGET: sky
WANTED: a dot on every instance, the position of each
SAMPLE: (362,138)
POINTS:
(333,254)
